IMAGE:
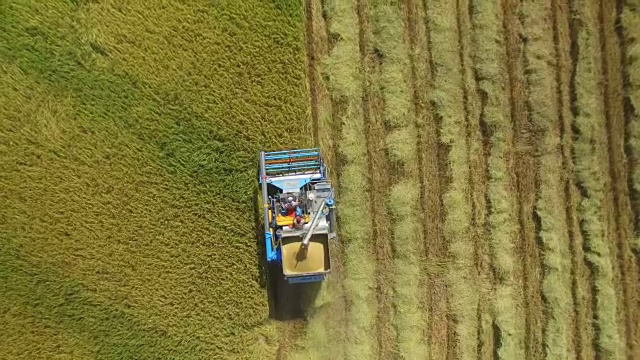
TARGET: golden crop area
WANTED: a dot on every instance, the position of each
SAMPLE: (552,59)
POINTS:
(485,154)
(129,140)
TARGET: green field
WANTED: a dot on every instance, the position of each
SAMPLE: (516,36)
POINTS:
(129,135)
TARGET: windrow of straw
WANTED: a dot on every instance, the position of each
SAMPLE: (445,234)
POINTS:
(379,176)
(325,331)
(540,65)
(404,200)
(478,152)
(449,108)
(621,214)
(432,174)
(581,274)
(592,171)
(490,66)
(630,20)
(344,70)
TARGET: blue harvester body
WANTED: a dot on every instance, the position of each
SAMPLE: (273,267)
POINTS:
(297,232)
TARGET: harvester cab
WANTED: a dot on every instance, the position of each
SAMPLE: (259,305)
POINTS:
(299,213)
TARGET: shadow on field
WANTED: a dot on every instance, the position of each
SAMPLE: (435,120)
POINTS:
(286,301)
(55,301)
(289,301)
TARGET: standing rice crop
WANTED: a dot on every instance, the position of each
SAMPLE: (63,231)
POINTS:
(128,130)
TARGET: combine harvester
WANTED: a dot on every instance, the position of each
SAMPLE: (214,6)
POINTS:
(299,214)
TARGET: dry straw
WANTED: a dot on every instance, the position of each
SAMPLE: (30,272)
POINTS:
(401,143)
(541,77)
(448,103)
(592,169)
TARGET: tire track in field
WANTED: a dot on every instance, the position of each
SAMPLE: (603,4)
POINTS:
(379,182)
(526,178)
(468,88)
(614,112)
(479,177)
(583,332)
(434,177)
(609,200)
(427,156)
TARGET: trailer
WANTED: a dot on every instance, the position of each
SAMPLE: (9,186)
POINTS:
(298,211)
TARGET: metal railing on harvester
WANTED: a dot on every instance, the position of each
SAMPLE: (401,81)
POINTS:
(288,162)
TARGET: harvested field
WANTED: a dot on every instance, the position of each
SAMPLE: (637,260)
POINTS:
(510,128)
(486,156)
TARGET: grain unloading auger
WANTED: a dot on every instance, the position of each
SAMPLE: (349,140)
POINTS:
(299,213)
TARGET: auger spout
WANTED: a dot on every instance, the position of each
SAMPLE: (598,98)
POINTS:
(314,223)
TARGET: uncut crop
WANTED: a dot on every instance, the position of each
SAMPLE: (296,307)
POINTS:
(129,135)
